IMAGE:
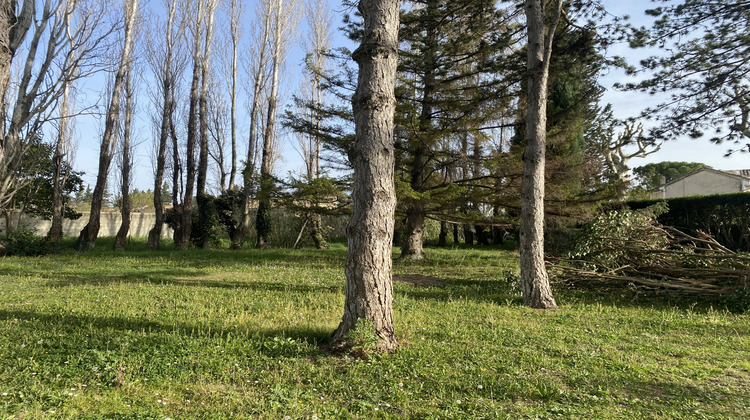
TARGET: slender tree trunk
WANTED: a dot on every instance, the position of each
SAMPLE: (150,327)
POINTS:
(443,237)
(204,202)
(369,281)
(283,25)
(234,29)
(455,234)
(497,232)
(177,185)
(88,235)
(122,234)
(154,235)
(55,233)
(534,280)
(186,209)
(263,216)
(259,76)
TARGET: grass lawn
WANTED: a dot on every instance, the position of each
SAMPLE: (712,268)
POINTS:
(240,334)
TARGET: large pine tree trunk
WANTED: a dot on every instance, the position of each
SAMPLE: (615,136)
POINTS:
(534,280)
(412,247)
(443,237)
(415,212)
(316,231)
(369,282)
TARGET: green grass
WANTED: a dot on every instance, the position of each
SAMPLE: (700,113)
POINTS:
(223,334)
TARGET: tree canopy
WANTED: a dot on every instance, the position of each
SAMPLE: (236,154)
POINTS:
(649,177)
(704,67)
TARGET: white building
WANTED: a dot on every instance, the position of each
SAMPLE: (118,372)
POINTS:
(706,182)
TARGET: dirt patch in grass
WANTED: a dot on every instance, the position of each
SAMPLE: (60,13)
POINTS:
(417,279)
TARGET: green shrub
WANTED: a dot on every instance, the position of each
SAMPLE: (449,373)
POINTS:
(603,239)
(739,300)
(723,216)
(25,242)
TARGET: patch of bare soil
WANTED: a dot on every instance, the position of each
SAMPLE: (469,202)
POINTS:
(417,279)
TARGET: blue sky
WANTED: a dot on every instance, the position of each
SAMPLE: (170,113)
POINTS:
(625,104)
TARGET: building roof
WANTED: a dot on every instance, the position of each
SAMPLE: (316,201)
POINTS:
(741,172)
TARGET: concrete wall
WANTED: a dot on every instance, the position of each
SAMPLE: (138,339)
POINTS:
(704,183)
(140,224)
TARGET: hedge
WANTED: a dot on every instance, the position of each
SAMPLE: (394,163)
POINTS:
(724,216)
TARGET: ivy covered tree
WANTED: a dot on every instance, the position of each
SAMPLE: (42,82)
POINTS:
(705,69)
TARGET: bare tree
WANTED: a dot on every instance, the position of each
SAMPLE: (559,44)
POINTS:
(182,239)
(258,67)
(614,152)
(234,29)
(369,281)
(534,280)
(59,43)
(62,150)
(202,199)
(88,235)
(318,43)
(161,58)
(126,162)
(205,68)
(218,124)
(283,24)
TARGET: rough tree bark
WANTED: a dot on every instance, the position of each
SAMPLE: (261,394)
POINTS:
(534,280)
(88,235)
(369,281)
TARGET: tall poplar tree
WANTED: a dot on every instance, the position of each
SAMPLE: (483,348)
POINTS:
(89,233)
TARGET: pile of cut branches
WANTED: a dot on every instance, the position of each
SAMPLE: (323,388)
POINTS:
(628,247)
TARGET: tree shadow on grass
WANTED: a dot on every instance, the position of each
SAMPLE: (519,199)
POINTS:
(190,279)
(679,393)
(272,342)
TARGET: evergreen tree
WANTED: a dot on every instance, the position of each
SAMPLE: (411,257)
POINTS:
(452,84)
(705,69)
